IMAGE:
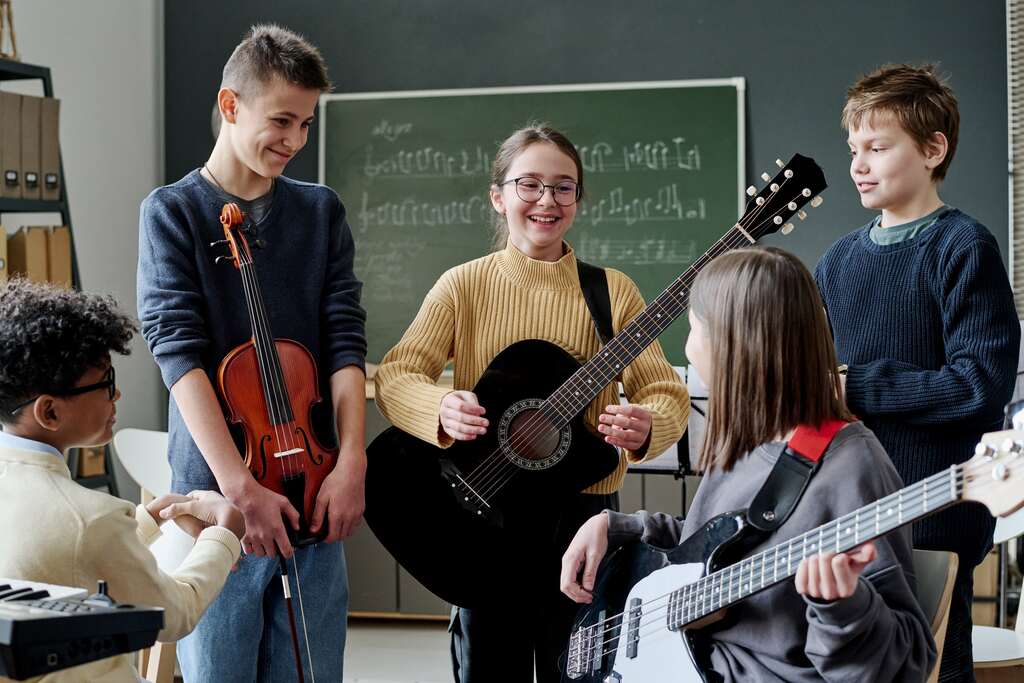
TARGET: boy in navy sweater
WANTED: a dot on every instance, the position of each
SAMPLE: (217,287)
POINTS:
(922,312)
(193,313)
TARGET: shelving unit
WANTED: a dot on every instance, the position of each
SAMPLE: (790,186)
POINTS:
(18,71)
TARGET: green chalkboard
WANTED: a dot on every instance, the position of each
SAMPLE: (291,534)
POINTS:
(663,165)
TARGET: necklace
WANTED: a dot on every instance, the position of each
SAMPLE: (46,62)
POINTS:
(217,182)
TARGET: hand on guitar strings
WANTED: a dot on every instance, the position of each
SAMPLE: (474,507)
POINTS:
(626,426)
(583,556)
(342,498)
(832,576)
(461,416)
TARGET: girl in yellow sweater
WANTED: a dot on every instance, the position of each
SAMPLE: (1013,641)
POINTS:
(529,289)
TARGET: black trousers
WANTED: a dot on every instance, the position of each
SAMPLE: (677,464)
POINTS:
(501,643)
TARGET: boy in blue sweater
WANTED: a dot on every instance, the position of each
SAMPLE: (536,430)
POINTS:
(922,312)
(193,313)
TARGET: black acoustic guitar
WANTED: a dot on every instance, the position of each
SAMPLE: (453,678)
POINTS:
(454,518)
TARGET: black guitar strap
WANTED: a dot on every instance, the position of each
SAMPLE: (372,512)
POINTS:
(785,485)
(594,283)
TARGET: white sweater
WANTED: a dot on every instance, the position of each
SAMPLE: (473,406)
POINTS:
(55,531)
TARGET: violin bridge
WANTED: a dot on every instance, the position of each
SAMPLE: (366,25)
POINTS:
(292,451)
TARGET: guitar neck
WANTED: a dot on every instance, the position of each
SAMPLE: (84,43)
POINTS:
(736,582)
(586,384)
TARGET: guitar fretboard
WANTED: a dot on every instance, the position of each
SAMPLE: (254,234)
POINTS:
(768,567)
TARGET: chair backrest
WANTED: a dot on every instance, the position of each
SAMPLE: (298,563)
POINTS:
(143,452)
(935,571)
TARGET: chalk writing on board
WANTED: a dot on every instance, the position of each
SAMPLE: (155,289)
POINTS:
(410,212)
(612,251)
(664,203)
(427,162)
(434,162)
(390,131)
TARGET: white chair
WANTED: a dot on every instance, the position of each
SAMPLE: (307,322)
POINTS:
(999,653)
(143,453)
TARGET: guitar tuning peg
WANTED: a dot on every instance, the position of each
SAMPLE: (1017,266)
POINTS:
(751,191)
(801,214)
(765,177)
(817,201)
(221,259)
(778,162)
(218,243)
(786,229)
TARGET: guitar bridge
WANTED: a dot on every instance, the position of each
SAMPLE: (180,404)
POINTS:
(467,496)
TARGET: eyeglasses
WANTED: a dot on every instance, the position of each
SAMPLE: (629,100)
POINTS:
(530,190)
(109,382)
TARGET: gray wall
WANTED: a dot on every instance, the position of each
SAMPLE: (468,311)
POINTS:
(106,60)
(798,58)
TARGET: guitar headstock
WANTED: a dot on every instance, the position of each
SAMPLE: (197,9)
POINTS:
(995,475)
(797,184)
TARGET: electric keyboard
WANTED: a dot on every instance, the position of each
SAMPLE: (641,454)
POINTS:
(44,628)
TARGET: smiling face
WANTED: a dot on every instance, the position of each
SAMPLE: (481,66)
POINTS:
(891,171)
(271,125)
(537,229)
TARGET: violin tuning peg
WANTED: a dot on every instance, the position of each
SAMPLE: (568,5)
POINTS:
(817,201)
(778,162)
(221,259)
(765,177)
(218,243)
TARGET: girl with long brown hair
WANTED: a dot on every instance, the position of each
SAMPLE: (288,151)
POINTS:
(760,339)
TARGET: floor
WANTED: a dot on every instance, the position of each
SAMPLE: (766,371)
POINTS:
(397,652)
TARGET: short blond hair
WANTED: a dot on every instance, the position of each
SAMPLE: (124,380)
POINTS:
(916,97)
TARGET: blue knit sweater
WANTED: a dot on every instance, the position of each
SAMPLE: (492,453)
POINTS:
(193,312)
(930,332)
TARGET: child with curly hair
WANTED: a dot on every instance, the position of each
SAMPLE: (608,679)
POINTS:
(58,391)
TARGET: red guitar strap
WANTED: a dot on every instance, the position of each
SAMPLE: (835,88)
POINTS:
(786,483)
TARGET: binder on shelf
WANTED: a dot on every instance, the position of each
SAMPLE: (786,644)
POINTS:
(3,255)
(26,253)
(92,461)
(58,252)
(31,185)
(10,145)
(49,148)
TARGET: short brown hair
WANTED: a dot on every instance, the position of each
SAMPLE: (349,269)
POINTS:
(270,51)
(511,148)
(773,364)
(920,101)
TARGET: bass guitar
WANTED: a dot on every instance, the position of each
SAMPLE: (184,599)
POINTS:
(648,601)
(454,517)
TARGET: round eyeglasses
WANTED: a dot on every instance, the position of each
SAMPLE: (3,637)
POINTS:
(530,190)
(109,382)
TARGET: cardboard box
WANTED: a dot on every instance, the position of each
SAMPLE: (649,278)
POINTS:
(986,585)
(31,180)
(49,148)
(58,256)
(26,253)
(10,145)
(92,461)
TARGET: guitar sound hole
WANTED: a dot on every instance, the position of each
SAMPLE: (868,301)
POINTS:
(531,440)
(532,436)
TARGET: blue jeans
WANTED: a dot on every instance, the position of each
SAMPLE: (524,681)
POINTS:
(244,635)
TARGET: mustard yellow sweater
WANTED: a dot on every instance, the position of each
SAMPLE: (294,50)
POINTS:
(477,309)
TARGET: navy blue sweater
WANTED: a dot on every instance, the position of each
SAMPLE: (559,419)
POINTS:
(193,312)
(930,332)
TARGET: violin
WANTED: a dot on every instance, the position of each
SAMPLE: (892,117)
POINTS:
(269,387)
